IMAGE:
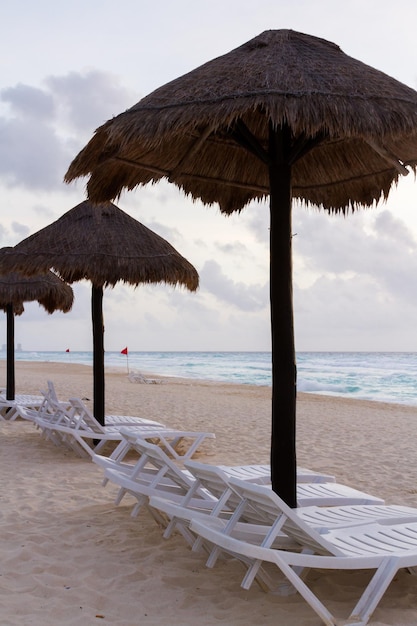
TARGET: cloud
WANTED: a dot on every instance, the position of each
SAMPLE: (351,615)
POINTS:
(361,294)
(234,248)
(29,102)
(378,247)
(21,230)
(43,128)
(352,314)
(4,236)
(163,318)
(31,154)
(256,216)
(240,295)
(88,100)
(172,235)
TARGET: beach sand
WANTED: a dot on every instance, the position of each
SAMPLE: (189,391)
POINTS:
(69,556)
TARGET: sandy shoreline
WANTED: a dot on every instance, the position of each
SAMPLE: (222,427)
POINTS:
(69,556)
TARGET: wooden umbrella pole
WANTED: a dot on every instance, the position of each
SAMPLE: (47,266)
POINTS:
(10,384)
(283,451)
(98,353)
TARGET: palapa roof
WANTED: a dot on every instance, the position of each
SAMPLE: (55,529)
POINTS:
(102,244)
(354,128)
(48,289)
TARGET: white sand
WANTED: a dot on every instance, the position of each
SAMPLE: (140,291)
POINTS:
(70,557)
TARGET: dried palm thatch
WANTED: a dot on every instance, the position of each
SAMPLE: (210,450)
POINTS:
(48,289)
(102,244)
(286,115)
(17,309)
(52,293)
(353,128)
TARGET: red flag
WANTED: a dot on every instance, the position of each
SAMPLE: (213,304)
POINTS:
(67,350)
(124,351)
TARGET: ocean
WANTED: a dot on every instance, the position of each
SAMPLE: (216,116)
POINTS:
(382,376)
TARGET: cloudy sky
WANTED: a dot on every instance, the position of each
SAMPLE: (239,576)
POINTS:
(65,68)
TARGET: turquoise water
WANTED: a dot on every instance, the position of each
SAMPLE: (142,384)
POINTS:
(383,376)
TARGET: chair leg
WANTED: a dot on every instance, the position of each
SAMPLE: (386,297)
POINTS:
(307,594)
(374,592)
(141,501)
(171,527)
(363,609)
(120,494)
(159,518)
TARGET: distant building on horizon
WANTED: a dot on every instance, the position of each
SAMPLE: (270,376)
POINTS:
(17,349)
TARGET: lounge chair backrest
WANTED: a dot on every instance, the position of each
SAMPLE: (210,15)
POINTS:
(51,391)
(53,412)
(85,420)
(262,499)
(45,407)
(214,480)
(156,457)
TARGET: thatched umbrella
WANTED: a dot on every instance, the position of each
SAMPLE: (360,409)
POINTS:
(102,244)
(48,289)
(286,115)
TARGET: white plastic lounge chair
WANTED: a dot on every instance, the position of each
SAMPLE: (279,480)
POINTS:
(111,420)
(46,422)
(51,402)
(264,508)
(308,494)
(12,409)
(55,420)
(211,479)
(155,473)
(137,377)
(261,474)
(184,489)
(216,479)
(76,407)
(78,429)
(51,412)
(180,445)
(93,441)
(32,402)
(384,546)
(130,480)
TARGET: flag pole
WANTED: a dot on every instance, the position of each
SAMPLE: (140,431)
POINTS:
(126,352)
